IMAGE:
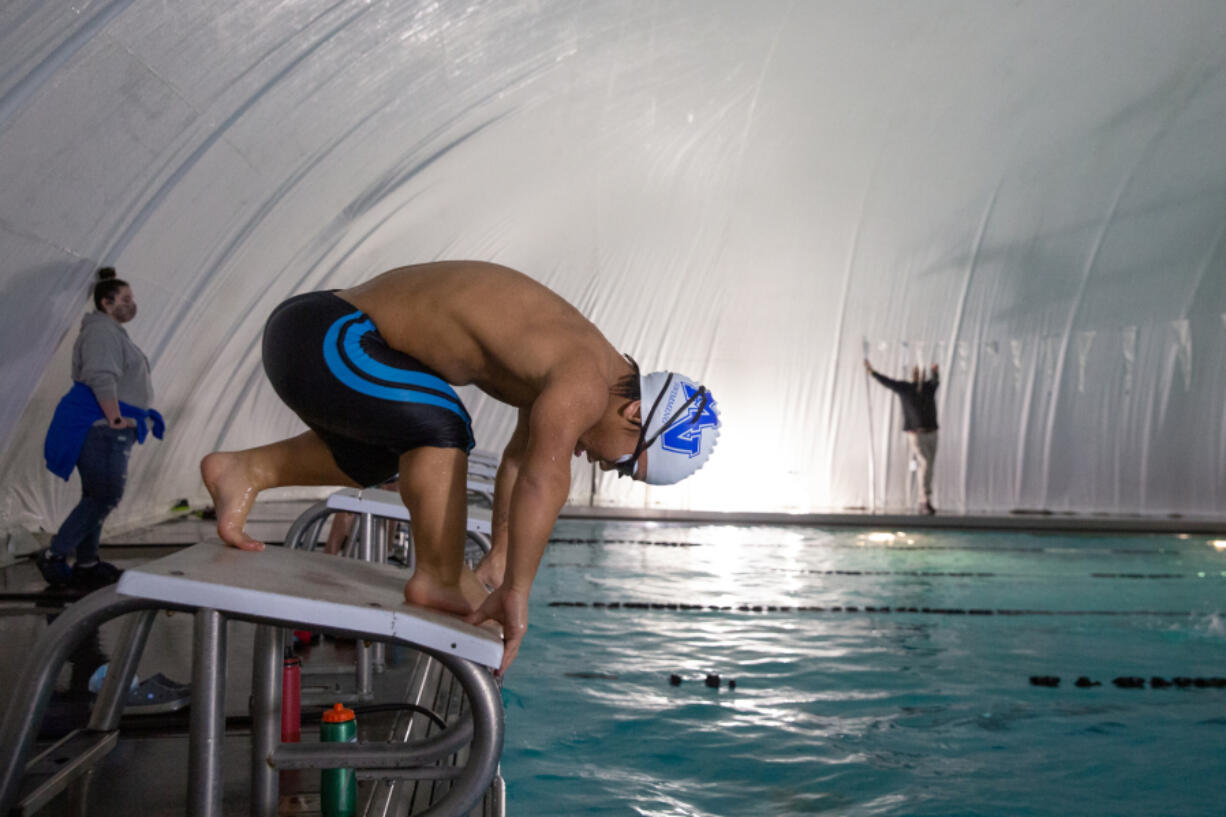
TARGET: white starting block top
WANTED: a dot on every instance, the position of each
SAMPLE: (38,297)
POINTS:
(481,486)
(311,589)
(388,504)
(487,457)
(482,470)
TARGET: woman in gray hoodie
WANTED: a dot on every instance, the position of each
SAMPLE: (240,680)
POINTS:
(94,428)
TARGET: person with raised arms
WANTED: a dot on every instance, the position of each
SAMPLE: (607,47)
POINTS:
(918,398)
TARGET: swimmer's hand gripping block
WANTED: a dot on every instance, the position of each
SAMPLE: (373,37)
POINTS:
(313,589)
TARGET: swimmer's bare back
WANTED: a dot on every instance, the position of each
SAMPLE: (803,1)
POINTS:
(483,324)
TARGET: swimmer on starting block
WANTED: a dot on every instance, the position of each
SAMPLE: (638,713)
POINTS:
(370,371)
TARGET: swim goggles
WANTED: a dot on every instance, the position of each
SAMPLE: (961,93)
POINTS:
(625,465)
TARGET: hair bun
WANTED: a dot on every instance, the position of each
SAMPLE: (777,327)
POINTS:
(106,273)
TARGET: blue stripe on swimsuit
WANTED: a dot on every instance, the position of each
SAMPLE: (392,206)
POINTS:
(359,371)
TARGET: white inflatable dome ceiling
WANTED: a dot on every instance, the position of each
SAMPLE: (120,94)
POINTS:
(1031,194)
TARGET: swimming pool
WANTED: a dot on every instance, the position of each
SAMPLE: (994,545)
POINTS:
(891,677)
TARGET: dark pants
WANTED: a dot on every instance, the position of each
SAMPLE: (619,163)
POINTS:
(103,465)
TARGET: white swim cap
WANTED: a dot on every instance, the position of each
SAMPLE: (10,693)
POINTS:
(681,426)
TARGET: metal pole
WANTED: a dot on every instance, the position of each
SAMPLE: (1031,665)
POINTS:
(365,661)
(265,718)
(872,455)
(382,535)
(369,755)
(469,785)
(367,553)
(78,794)
(205,786)
(485,703)
(109,706)
(27,699)
(294,536)
(481,539)
(310,539)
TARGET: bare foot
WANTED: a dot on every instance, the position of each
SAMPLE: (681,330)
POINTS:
(473,589)
(233,495)
(424,590)
(491,569)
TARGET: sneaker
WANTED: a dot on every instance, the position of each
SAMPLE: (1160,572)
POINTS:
(151,696)
(162,681)
(95,576)
(54,569)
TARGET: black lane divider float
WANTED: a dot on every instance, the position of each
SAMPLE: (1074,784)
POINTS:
(712,681)
(868,546)
(975,575)
(853,609)
(1134,682)
(963,574)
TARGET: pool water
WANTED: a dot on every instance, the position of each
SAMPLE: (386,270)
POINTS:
(922,705)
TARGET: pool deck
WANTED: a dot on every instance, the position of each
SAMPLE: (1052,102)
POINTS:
(270,520)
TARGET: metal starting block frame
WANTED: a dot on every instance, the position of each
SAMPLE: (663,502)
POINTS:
(276,588)
(370,504)
(389,505)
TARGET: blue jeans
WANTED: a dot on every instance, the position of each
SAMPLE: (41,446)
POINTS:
(104,471)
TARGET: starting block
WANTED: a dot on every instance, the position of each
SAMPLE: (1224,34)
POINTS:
(388,505)
(276,588)
(313,589)
(370,504)
(482,470)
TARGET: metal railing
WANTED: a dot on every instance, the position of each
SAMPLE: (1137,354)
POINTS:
(481,729)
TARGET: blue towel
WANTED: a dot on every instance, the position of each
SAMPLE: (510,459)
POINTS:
(76,412)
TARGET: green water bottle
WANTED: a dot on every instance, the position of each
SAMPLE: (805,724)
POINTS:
(338,788)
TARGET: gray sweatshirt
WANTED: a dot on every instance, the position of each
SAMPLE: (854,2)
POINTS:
(105,359)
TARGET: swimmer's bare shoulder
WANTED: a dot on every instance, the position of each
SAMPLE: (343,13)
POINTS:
(477,322)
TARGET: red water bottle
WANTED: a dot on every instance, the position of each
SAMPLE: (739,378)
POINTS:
(291,699)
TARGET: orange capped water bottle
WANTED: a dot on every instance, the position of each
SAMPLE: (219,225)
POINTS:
(338,788)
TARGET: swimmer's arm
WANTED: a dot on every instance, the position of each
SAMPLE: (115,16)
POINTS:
(504,483)
(556,419)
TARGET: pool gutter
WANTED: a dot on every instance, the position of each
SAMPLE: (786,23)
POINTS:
(1023,521)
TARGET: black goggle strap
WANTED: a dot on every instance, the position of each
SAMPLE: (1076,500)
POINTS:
(672,421)
(642,444)
(627,468)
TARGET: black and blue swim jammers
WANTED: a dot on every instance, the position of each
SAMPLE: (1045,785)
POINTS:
(368,402)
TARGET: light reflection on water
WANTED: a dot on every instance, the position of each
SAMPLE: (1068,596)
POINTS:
(859,713)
